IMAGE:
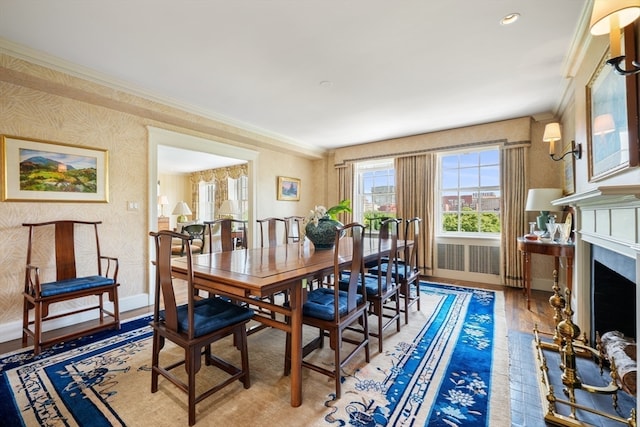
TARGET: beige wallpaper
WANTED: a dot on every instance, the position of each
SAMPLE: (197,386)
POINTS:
(41,103)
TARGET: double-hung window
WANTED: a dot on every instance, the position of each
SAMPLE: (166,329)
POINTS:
(470,192)
(375,191)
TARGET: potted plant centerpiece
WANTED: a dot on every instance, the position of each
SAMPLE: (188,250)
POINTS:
(322,222)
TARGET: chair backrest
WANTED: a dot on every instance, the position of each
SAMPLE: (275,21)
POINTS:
(164,278)
(64,242)
(355,267)
(269,227)
(388,237)
(295,227)
(411,254)
(226,225)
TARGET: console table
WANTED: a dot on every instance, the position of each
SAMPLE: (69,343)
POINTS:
(556,250)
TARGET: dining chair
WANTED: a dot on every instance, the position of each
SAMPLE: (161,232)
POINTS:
(269,231)
(295,224)
(383,287)
(408,270)
(193,326)
(232,233)
(333,310)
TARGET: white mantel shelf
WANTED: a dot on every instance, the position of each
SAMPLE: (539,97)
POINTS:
(614,195)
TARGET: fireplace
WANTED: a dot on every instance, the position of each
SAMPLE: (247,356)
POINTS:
(613,292)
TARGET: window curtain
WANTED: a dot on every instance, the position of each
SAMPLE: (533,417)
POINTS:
(345,189)
(415,196)
(512,176)
(220,176)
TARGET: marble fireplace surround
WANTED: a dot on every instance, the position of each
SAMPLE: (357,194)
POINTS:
(609,217)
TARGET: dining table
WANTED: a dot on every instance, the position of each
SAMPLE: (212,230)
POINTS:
(252,275)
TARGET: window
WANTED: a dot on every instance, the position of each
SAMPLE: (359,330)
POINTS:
(207,199)
(470,192)
(238,190)
(375,192)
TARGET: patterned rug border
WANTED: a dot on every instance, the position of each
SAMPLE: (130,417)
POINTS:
(497,409)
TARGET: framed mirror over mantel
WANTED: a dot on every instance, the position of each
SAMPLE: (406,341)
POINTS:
(612,115)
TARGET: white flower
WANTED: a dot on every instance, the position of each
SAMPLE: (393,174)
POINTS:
(316,213)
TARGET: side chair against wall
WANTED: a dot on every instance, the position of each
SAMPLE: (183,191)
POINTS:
(333,310)
(227,240)
(193,326)
(384,286)
(408,270)
(59,239)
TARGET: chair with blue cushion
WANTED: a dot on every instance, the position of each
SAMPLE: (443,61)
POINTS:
(384,286)
(194,326)
(407,271)
(334,310)
(269,232)
(60,243)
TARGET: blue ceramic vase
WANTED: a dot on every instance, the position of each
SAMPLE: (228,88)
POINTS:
(323,236)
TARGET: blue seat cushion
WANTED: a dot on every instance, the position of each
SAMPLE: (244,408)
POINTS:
(211,314)
(320,305)
(59,287)
(385,266)
(370,283)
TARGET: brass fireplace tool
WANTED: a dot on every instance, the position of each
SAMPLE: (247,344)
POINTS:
(567,343)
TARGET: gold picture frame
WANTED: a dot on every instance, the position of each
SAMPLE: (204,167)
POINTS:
(288,188)
(34,170)
(612,116)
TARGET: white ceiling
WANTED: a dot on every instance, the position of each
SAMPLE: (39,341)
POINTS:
(316,73)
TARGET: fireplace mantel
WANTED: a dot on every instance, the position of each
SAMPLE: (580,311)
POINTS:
(608,216)
(612,195)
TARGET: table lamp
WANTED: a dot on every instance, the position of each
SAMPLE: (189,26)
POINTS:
(182,210)
(539,199)
(162,201)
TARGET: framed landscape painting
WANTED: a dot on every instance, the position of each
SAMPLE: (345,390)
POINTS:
(43,171)
(288,188)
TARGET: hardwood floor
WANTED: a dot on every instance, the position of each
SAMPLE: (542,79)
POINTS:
(517,315)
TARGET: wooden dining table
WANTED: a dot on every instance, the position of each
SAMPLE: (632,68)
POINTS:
(252,275)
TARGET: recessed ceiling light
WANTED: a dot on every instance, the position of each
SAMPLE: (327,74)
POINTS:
(326,83)
(510,19)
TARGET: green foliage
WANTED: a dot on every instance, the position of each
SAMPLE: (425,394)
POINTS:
(468,221)
(376,218)
(343,206)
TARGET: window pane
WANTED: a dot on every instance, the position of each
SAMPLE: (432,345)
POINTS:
(490,176)
(469,178)
(470,191)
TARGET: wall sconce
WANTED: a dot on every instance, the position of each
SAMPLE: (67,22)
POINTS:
(608,17)
(182,210)
(551,135)
(162,201)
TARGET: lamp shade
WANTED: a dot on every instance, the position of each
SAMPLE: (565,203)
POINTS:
(607,12)
(163,200)
(229,207)
(539,199)
(182,210)
(551,132)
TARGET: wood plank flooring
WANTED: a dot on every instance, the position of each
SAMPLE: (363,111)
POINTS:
(517,315)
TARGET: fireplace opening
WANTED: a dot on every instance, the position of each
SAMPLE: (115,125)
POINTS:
(613,293)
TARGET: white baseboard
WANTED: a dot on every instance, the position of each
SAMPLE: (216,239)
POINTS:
(13,330)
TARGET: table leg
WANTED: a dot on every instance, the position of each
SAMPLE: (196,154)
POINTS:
(526,260)
(296,344)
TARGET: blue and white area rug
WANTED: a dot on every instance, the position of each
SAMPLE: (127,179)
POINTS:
(447,367)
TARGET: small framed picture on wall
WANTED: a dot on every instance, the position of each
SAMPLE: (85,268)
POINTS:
(288,188)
